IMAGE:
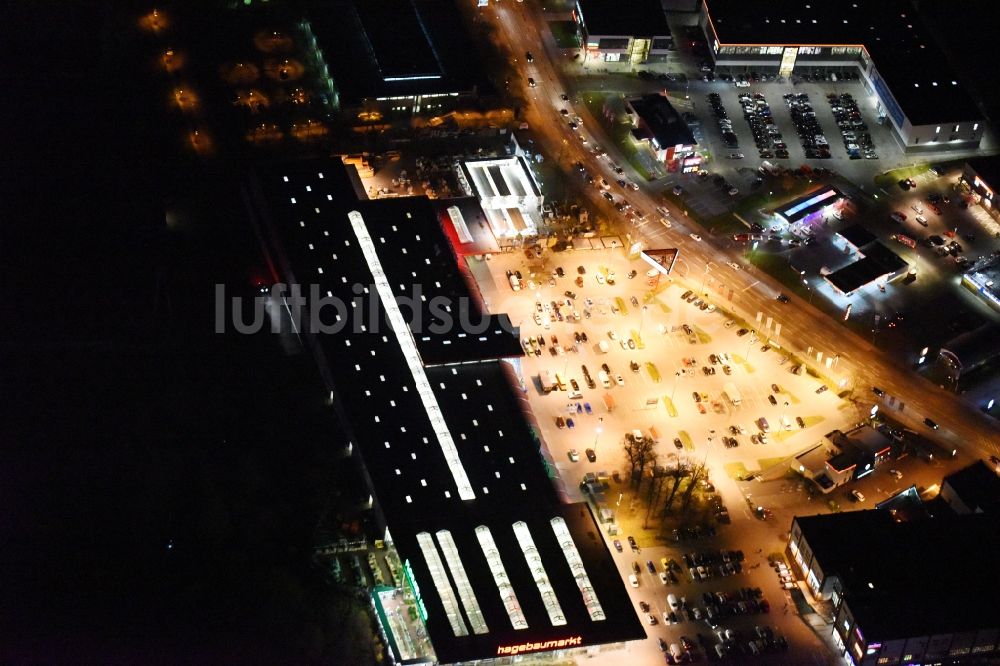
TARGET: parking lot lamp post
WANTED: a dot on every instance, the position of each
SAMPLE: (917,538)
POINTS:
(597,436)
(642,319)
(677,376)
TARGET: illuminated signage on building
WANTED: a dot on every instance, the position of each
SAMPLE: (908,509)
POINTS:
(411,579)
(987,192)
(575,641)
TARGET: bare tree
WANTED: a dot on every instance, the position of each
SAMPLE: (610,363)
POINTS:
(698,472)
(639,453)
(677,472)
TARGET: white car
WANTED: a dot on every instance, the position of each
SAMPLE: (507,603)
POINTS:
(695,236)
(574,455)
(612,335)
(917,208)
(735,266)
(858,497)
(600,278)
(619,380)
(663,578)
(538,318)
(921,220)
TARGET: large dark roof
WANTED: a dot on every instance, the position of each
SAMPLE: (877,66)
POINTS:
(637,18)
(878,261)
(666,125)
(976,347)
(987,168)
(891,571)
(385,48)
(857,235)
(978,486)
(917,72)
(308,206)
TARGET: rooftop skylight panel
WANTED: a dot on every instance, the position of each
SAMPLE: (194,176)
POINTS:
(442,584)
(465,590)
(500,577)
(538,573)
(575,562)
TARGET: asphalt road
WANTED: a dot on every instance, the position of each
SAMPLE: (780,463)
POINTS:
(522,28)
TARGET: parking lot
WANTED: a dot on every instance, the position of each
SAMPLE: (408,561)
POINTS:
(666,385)
(861,171)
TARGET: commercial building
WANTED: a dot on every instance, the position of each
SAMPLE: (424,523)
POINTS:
(488,559)
(843,457)
(899,595)
(508,193)
(658,126)
(982,176)
(634,34)
(909,79)
(970,351)
(972,489)
(983,279)
(398,57)
(876,262)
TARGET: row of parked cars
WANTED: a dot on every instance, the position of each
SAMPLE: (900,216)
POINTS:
(704,566)
(853,130)
(766,134)
(723,121)
(736,645)
(807,127)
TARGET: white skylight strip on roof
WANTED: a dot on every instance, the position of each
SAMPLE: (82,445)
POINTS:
(405,339)
(458,221)
(443,585)
(575,563)
(549,598)
(465,591)
(507,595)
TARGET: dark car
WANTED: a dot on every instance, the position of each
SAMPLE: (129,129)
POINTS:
(931,424)
(591,455)
(877,391)
(633,544)
(678,443)
(783,298)
(650,566)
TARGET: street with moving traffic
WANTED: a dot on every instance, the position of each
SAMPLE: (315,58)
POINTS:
(522,28)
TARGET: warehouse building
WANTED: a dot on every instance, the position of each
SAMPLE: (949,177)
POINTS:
(663,131)
(612,33)
(898,596)
(398,57)
(484,555)
(909,79)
